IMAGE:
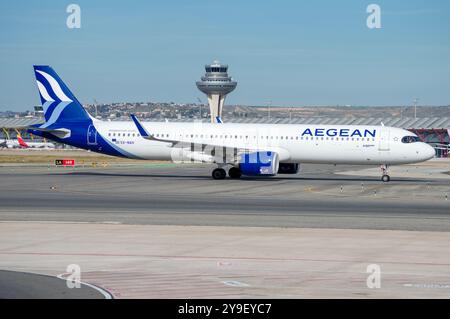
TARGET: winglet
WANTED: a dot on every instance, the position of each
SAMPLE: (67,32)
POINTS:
(139,126)
(219,120)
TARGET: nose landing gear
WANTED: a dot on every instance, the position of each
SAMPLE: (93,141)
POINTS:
(385,178)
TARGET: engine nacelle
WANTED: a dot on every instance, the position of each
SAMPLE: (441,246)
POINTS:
(259,163)
(288,168)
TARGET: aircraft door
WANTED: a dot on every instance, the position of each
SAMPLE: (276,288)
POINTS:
(92,135)
(384,144)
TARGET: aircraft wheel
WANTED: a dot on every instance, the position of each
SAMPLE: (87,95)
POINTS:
(385,178)
(234,173)
(219,173)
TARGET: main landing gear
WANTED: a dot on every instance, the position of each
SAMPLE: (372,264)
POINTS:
(234,173)
(385,178)
(220,173)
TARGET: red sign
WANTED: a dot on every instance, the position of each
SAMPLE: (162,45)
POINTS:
(65,162)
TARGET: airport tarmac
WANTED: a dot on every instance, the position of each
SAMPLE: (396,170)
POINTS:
(163,230)
(168,194)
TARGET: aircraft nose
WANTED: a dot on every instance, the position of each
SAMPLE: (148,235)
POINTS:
(428,151)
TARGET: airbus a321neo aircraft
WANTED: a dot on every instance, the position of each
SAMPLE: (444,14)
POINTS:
(243,149)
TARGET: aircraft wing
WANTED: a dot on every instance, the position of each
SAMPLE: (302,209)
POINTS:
(199,147)
(175,143)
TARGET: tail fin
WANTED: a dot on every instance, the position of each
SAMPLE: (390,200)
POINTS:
(59,104)
(22,142)
(219,120)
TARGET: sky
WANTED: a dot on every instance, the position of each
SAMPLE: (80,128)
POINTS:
(292,53)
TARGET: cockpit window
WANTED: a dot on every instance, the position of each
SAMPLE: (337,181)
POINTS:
(410,139)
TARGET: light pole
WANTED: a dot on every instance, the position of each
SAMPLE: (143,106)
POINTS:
(201,104)
(415,108)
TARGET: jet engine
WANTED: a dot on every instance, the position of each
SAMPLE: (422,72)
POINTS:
(259,163)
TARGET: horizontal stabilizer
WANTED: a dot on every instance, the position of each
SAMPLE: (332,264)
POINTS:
(60,132)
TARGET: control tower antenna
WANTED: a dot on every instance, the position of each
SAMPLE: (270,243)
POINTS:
(216,84)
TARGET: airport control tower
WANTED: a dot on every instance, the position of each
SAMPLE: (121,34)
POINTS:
(216,84)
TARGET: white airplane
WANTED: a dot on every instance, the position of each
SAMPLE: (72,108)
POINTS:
(24,144)
(10,144)
(243,149)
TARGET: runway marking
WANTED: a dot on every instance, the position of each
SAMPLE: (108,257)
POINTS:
(214,214)
(310,190)
(372,193)
(234,283)
(222,257)
(104,292)
(428,286)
